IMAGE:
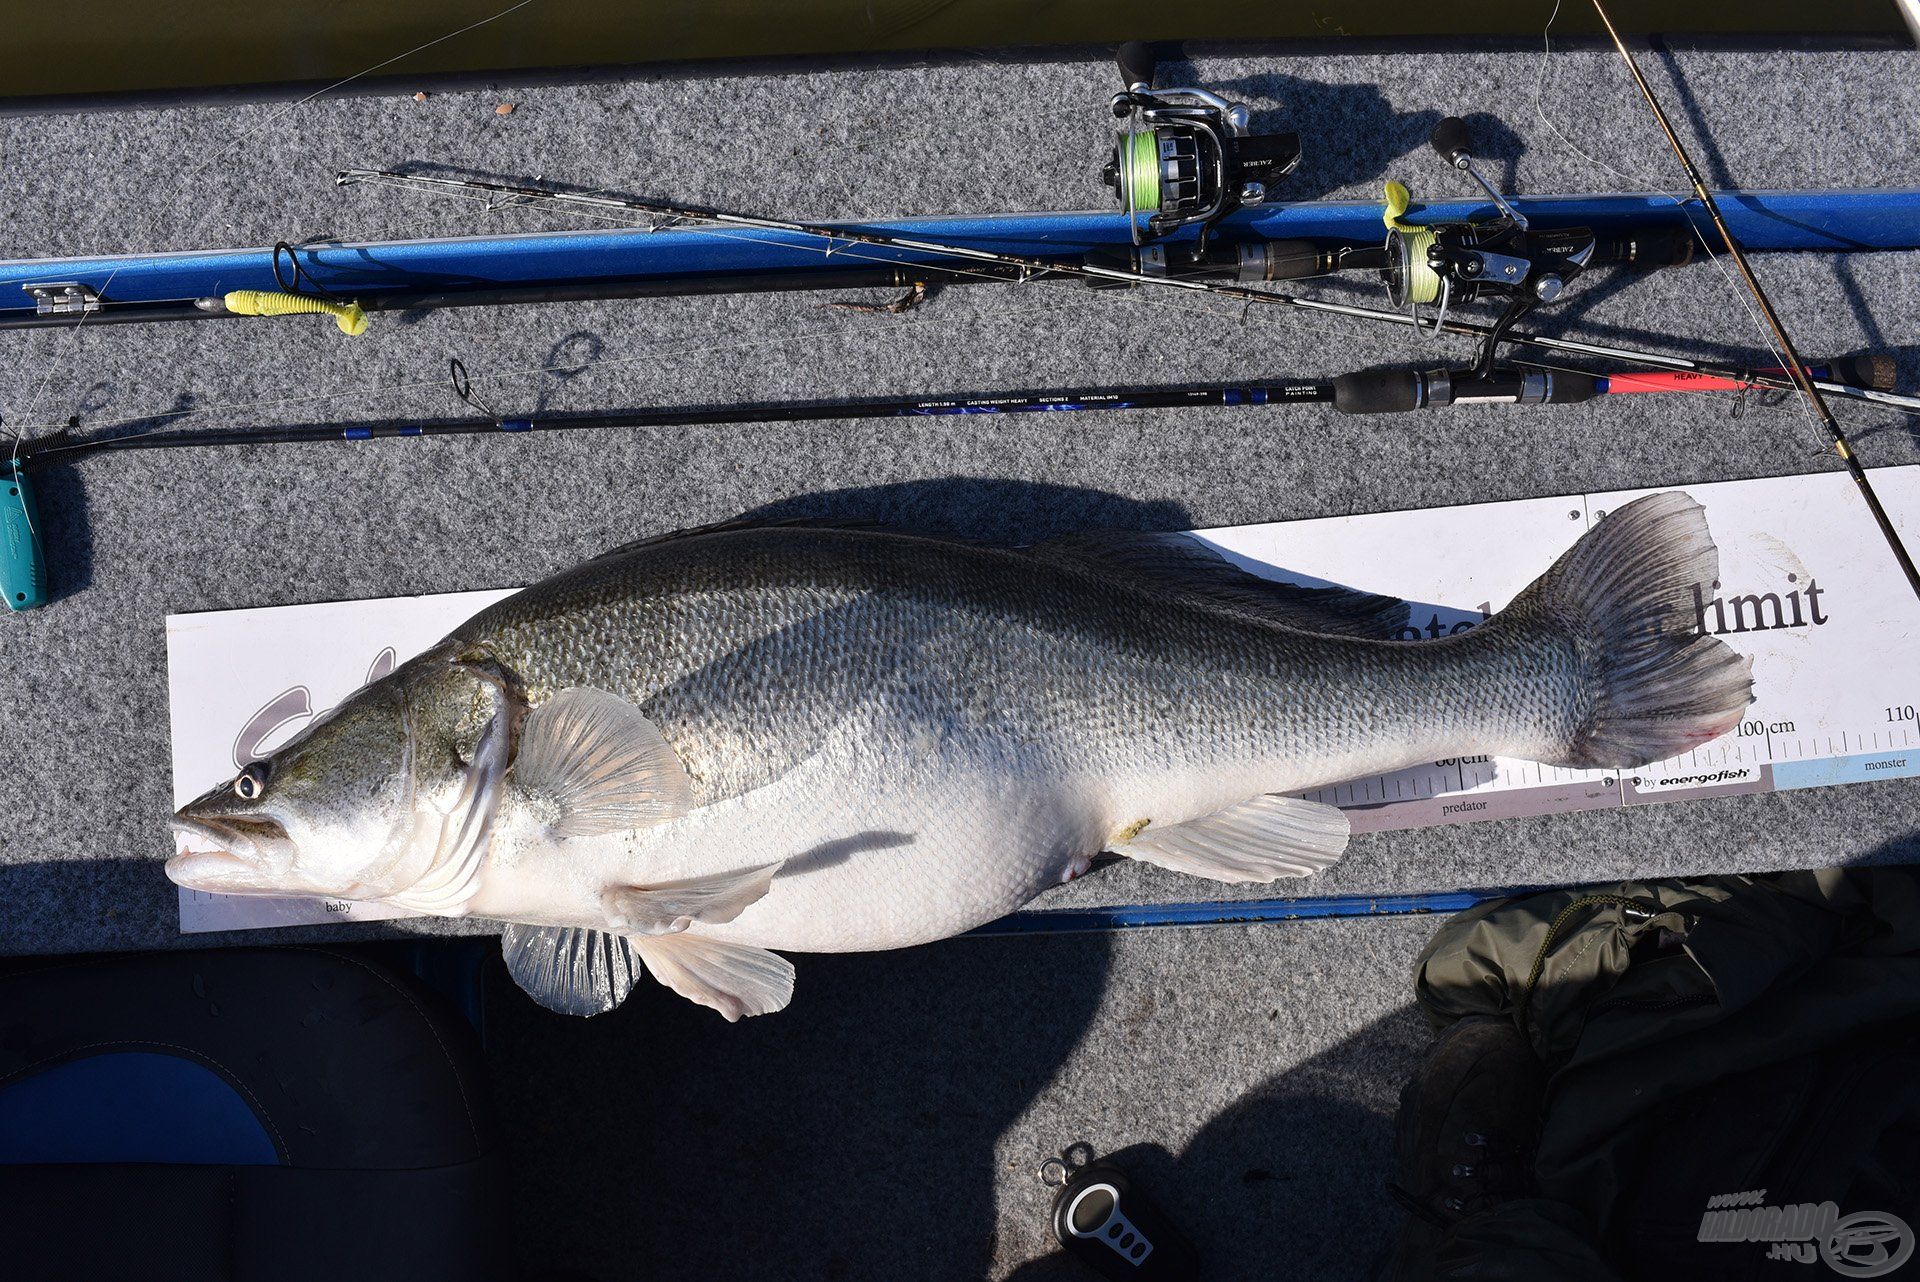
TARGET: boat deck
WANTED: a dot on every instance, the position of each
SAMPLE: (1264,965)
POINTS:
(889,1123)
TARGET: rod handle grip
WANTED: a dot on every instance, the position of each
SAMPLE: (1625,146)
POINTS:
(23,565)
(1379,391)
(1874,370)
(350,317)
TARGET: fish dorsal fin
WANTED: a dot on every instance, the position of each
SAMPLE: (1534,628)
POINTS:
(672,906)
(602,765)
(1182,566)
(733,979)
(753,524)
(1256,841)
(570,969)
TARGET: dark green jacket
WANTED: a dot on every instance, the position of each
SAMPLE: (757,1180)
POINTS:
(1706,1038)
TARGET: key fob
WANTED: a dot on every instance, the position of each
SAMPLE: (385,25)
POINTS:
(1104,1221)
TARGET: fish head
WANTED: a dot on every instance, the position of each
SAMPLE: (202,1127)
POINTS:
(390,796)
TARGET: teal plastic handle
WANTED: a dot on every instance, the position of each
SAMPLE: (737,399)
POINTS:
(23,567)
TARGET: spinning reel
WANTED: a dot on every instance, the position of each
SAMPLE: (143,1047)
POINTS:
(1186,159)
(1500,259)
(1186,156)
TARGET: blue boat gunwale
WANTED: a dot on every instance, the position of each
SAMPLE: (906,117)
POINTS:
(1841,220)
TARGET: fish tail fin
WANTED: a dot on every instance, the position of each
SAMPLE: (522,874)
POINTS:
(1651,684)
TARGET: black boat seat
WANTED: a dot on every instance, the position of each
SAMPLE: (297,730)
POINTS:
(242,1114)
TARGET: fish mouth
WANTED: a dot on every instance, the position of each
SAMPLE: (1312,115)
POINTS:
(231,854)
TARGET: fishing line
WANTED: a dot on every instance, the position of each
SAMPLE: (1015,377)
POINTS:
(366,393)
(830,247)
(681,223)
(1655,182)
(1680,201)
(72,338)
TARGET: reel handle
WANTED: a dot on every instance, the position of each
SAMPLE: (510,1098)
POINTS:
(23,566)
(1137,64)
(1454,141)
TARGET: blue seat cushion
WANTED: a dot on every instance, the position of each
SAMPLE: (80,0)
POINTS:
(130,1106)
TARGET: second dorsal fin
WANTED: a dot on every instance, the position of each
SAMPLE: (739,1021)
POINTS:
(1184,567)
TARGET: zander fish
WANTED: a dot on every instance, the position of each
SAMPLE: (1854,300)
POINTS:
(697,749)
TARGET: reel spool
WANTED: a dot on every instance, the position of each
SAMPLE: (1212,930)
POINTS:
(1411,278)
(1464,262)
(1186,156)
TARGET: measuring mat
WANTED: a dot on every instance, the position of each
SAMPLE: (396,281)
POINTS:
(1806,589)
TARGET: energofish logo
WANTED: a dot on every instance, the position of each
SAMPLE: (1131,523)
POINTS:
(1866,1244)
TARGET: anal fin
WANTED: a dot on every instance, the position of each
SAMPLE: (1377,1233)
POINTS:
(733,979)
(672,906)
(1256,841)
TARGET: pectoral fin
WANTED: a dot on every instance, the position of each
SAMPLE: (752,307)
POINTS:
(602,764)
(570,969)
(731,978)
(1257,841)
(672,906)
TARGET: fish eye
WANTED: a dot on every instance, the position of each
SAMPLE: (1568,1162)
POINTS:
(252,782)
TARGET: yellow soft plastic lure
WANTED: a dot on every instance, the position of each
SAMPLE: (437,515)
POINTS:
(1423,285)
(1399,200)
(351,317)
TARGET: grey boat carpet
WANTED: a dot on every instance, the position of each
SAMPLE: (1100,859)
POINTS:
(1262,1060)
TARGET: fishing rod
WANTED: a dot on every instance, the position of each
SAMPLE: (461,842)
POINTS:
(1796,369)
(1186,164)
(1356,393)
(1025,267)
(1187,172)
(23,574)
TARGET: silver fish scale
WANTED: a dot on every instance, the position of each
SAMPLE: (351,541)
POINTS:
(749,645)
